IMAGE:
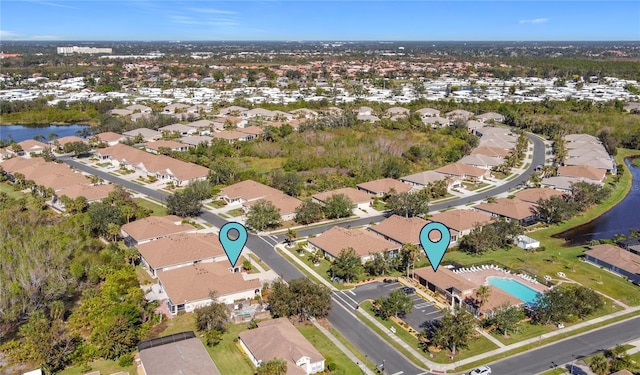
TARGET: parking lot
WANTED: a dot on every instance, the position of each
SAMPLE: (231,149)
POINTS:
(423,311)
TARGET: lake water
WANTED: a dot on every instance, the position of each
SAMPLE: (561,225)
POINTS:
(20,133)
(619,220)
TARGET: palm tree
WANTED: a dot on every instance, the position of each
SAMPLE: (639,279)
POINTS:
(291,235)
(482,295)
(599,364)
(315,257)
(410,253)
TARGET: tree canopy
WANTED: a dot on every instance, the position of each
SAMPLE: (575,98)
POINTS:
(299,298)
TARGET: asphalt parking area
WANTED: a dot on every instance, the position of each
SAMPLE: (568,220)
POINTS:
(371,291)
(423,314)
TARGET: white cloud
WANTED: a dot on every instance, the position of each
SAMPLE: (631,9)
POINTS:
(534,21)
(210,11)
(10,35)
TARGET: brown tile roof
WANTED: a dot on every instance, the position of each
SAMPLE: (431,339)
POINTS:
(616,256)
(278,338)
(424,178)
(401,229)
(361,240)
(91,192)
(43,173)
(445,279)
(195,282)
(356,196)
(490,151)
(156,226)
(285,203)
(511,208)
(31,145)
(460,169)
(229,135)
(253,130)
(168,144)
(461,220)
(70,139)
(585,171)
(533,195)
(181,248)
(384,185)
(248,190)
(181,357)
(110,136)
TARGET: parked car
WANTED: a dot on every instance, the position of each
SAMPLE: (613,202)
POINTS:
(390,281)
(409,290)
(482,370)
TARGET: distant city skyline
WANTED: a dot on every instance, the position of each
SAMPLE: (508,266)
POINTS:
(161,20)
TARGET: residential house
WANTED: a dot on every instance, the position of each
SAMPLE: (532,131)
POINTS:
(233,110)
(481,161)
(359,198)
(497,130)
(258,113)
(92,193)
(605,163)
(179,353)
(365,243)
(120,112)
(523,212)
(465,172)
(496,143)
(436,121)
(384,186)
(110,138)
(195,140)
(232,136)
(533,195)
(365,111)
(490,117)
(459,114)
(174,108)
(253,132)
(428,112)
(30,147)
(139,108)
(581,138)
(179,250)
(146,134)
(400,230)
(61,142)
(154,147)
(190,287)
(474,127)
(461,222)
(202,127)
(178,129)
(278,338)
(221,123)
(563,183)
(631,244)
(4,153)
(395,113)
(249,192)
(615,259)
(153,228)
(421,180)
(491,151)
(305,113)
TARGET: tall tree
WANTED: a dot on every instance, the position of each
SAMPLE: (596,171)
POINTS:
(482,295)
(505,319)
(396,304)
(455,330)
(184,203)
(301,297)
(410,254)
(409,204)
(347,265)
(263,215)
(308,212)
(212,317)
(338,206)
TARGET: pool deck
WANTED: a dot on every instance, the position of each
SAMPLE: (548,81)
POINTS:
(479,275)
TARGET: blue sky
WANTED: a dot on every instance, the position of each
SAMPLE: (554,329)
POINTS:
(148,20)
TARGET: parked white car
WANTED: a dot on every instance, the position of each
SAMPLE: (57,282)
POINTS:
(483,370)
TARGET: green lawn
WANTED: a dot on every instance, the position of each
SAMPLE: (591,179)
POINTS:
(104,366)
(330,352)
(236,212)
(5,187)
(322,269)
(259,261)
(556,371)
(156,209)
(143,276)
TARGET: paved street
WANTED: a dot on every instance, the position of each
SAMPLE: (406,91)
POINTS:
(341,316)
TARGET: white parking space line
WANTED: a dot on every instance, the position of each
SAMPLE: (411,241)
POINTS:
(398,373)
(352,293)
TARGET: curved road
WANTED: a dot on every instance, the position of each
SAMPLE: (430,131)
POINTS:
(341,315)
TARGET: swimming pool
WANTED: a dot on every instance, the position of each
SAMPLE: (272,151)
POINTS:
(515,288)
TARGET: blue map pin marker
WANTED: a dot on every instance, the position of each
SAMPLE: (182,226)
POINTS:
(435,250)
(233,247)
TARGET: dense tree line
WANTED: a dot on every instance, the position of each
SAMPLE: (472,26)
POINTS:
(498,235)
(583,195)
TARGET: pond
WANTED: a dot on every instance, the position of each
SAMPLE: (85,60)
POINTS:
(619,220)
(20,133)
